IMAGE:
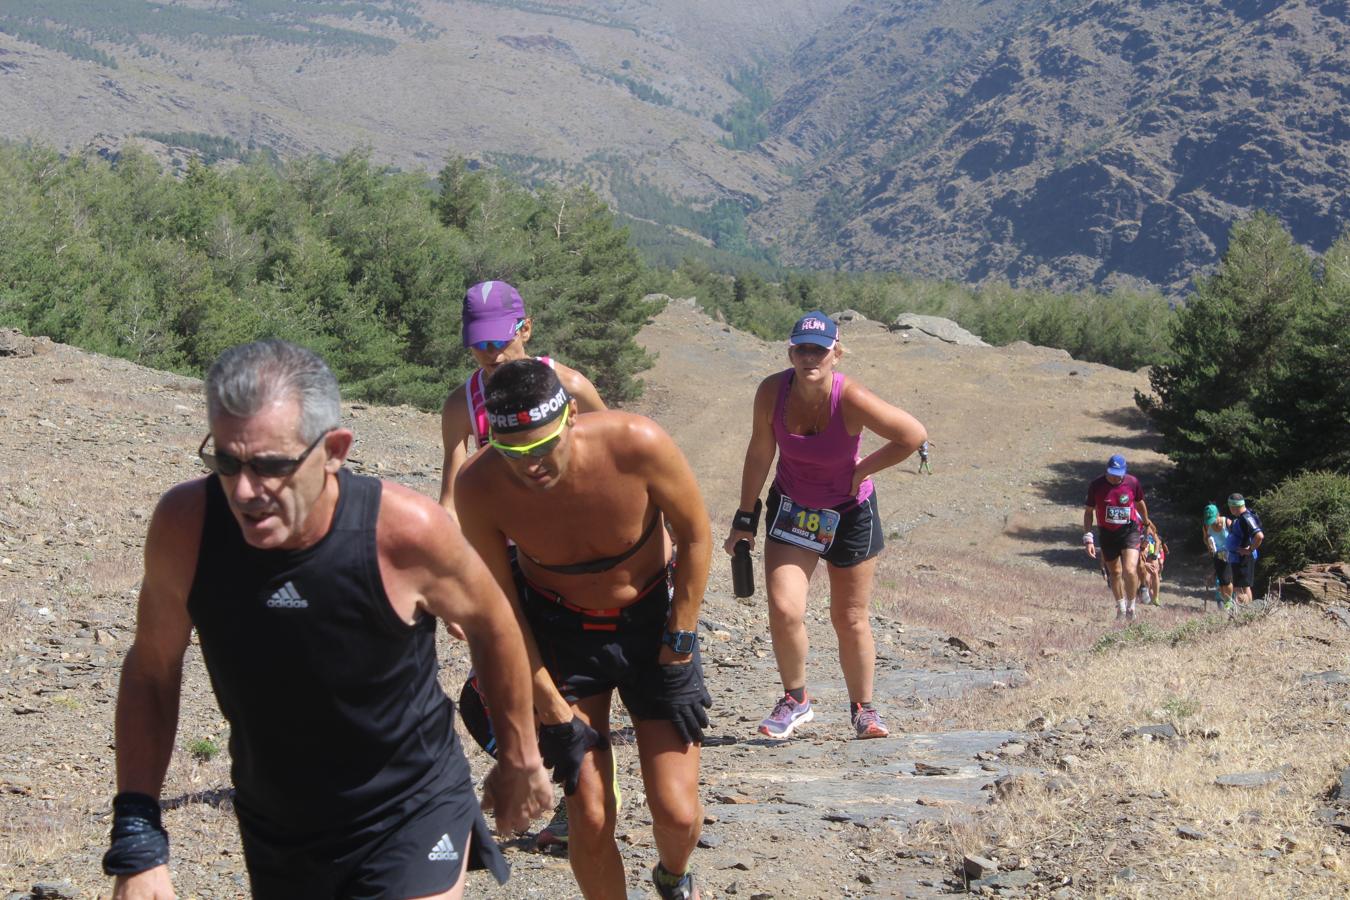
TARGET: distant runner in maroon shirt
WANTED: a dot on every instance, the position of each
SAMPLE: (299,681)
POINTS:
(1117,500)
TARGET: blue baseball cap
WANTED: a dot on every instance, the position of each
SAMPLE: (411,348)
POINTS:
(815,328)
(491,311)
(1115,465)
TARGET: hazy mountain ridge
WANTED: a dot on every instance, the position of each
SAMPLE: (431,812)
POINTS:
(563,81)
(1112,140)
(1046,142)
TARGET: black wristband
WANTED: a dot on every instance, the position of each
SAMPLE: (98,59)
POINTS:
(138,840)
(747,521)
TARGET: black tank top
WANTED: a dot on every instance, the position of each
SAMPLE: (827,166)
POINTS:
(335,713)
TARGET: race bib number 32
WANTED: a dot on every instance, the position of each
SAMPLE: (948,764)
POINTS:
(802,526)
(1118,515)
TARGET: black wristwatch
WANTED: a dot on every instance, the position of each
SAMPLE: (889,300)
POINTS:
(680,641)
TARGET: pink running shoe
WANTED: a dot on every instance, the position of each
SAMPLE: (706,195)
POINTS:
(786,716)
(867,723)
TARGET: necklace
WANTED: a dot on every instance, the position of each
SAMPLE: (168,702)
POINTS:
(812,424)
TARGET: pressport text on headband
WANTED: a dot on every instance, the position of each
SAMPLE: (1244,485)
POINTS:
(525,419)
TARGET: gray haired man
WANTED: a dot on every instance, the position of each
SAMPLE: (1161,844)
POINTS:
(315,593)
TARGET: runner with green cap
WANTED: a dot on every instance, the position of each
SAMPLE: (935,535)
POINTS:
(1215,533)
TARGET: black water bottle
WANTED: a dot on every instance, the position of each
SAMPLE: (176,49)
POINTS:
(742,569)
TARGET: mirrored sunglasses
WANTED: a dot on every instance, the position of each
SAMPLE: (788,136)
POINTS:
(496,346)
(229,466)
(537,449)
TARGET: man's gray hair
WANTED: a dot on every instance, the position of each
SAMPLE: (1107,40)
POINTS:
(249,377)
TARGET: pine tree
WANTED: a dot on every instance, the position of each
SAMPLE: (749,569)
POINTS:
(1227,403)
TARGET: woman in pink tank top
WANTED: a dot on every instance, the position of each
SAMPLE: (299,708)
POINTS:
(821,505)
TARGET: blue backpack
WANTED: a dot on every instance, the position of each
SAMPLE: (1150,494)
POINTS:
(1241,532)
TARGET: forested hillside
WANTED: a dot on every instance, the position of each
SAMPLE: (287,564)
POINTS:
(366,265)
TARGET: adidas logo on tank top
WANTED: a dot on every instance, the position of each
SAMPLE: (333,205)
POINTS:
(287,597)
(444,851)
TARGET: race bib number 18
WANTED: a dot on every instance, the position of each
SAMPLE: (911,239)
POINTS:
(801,526)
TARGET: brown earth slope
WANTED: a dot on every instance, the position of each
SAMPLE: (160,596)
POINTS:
(983,585)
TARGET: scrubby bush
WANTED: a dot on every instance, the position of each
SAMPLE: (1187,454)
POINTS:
(1306,520)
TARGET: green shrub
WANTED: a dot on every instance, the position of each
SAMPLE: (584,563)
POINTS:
(1306,520)
(203,749)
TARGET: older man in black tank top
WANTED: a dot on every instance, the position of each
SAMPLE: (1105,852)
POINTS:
(582,498)
(314,592)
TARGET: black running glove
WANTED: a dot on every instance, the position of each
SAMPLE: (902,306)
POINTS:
(564,746)
(681,689)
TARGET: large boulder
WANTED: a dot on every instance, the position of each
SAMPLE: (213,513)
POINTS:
(938,327)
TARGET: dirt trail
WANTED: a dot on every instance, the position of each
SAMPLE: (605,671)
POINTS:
(88,443)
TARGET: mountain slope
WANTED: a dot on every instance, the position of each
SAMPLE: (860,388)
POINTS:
(637,80)
(1107,141)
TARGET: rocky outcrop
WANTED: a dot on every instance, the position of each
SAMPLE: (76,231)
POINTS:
(937,327)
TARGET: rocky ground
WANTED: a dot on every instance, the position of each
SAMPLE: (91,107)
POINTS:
(984,613)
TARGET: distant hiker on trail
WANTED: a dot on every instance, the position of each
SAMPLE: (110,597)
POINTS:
(1215,533)
(821,506)
(1244,542)
(924,468)
(612,601)
(1152,558)
(1117,499)
(314,593)
(495,331)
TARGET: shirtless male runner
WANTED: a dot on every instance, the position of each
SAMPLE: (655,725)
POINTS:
(314,593)
(495,329)
(607,603)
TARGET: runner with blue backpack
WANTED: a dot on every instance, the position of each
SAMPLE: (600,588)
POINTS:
(1244,541)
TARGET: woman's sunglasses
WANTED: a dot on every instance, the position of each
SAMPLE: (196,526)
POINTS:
(262,466)
(497,346)
(809,349)
(536,450)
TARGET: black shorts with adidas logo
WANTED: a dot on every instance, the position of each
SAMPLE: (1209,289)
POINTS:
(417,850)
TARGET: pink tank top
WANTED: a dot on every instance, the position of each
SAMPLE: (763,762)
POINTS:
(817,470)
(474,395)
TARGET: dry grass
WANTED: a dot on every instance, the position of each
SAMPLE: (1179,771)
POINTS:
(1023,608)
(1239,701)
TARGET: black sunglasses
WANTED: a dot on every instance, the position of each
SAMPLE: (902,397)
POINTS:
(262,466)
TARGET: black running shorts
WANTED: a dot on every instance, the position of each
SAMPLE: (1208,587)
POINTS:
(1115,540)
(1223,570)
(415,852)
(1244,571)
(595,651)
(857,539)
